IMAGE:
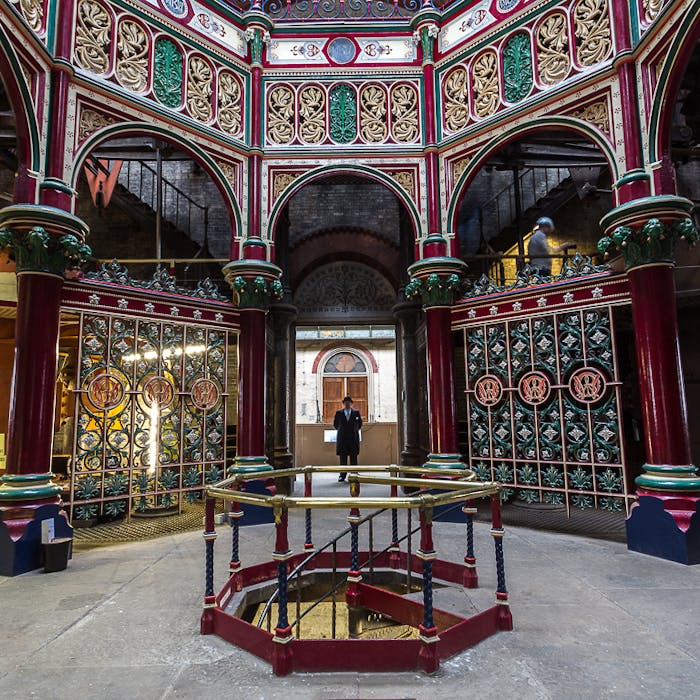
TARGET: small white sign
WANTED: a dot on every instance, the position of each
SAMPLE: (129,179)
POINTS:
(332,435)
(47,531)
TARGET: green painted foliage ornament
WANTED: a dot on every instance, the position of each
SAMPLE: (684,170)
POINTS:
(517,68)
(343,114)
(435,290)
(167,79)
(257,293)
(38,251)
(654,241)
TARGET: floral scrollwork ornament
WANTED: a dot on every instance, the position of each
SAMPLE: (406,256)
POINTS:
(404,113)
(312,114)
(132,55)
(93,36)
(456,97)
(199,88)
(33,12)
(553,62)
(280,115)
(592,28)
(229,103)
(373,114)
(485,84)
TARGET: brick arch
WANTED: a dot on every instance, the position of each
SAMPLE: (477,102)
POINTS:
(345,244)
(184,144)
(344,344)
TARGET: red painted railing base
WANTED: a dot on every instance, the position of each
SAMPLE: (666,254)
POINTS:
(471,578)
(453,633)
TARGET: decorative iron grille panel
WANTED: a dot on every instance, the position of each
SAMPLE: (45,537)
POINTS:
(150,415)
(543,407)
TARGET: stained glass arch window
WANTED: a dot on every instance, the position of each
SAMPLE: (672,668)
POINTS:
(345,363)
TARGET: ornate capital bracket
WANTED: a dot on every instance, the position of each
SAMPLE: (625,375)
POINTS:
(255,283)
(426,35)
(436,281)
(647,230)
(43,239)
(257,37)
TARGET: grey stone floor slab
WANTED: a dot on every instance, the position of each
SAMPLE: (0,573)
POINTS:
(592,620)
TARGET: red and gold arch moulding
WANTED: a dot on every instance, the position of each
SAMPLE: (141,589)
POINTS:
(282,178)
(92,125)
(590,114)
(25,69)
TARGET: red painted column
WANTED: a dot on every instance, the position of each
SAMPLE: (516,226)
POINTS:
(635,181)
(436,280)
(667,440)
(44,242)
(32,399)
(426,34)
(646,231)
(441,395)
(255,283)
(55,191)
(251,384)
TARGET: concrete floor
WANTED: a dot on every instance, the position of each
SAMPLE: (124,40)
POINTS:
(591,620)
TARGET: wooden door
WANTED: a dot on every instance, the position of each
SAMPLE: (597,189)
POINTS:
(333,392)
(357,389)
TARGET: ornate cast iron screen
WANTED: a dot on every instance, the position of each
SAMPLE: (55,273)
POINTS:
(543,392)
(150,407)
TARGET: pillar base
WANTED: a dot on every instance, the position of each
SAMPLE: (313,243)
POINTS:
(20,535)
(206,623)
(245,465)
(428,658)
(282,660)
(444,461)
(665,526)
(674,478)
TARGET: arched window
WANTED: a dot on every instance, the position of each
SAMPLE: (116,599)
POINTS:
(344,374)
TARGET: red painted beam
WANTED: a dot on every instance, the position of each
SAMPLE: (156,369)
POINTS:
(243,634)
(401,609)
(468,633)
(355,654)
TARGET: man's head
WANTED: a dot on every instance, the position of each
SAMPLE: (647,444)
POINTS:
(347,402)
(545,224)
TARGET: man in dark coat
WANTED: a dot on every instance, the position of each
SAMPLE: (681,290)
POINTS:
(347,422)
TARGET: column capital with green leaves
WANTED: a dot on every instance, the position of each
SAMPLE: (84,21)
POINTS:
(437,280)
(646,231)
(255,283)
(43,239)
(426,35)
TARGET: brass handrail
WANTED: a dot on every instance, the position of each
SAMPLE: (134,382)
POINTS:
(419,501)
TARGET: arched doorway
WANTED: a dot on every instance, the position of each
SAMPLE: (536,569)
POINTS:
(344,242)
(559,174)
(148,201)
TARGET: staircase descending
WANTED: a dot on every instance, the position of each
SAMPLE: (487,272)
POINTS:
(542,192)
(184,222)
